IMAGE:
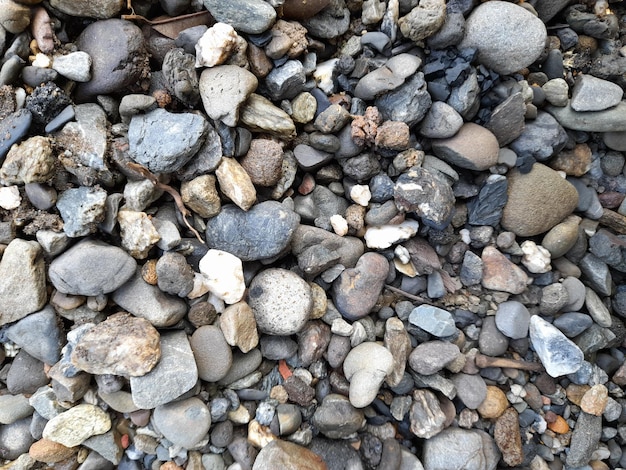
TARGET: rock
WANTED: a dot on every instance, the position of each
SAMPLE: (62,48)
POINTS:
(239,328)
(281,301)
(537,201)
(74,66)
(31,161)
(460,448)
(303,9)
(26,374)
(246,16)
(82,209)
(573,323)
(286,81)
(594,94)
(243,365)
(184,423)
(14,408)
(152,140)
(562,237)
(427,194)
(507,45)
(310,158)
(398,342)
(262,232)
(39,334)
(175,374)
(200,195)
(424,20)
(331,22)
(366,367)
(50,452)
(427,418)
(123,66)
(486,208)
(264,162)
(212,353)
(215,46)
(541,139)
(559,355)
(507,119)
(260,115)
(120,345)
(556,91)
(472,147)
(388,77)
(394,105)
(471,269)
(15,439)
(287,455)
(74,272)
(608,120)
(512,319)
(536,259)
(12,128)
(99,9)
(584,440)
(336,418)
(432,356)
(491,341)
(22,280)
(595,400)
(441,122)
(596,308)
(72,427)
(14,18)
(224,89)
(147,301)
(174,275)
(137,232)
(434,320)
(223,275)
(508,439)
(356,290)
(494,404)
(471,389)
(235,183)
(501,274)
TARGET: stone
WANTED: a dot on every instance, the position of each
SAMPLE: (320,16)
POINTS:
(366,367)
(246,16)
(473,147)
(508,37)
(286,81)
(223,275)
(22,280)
(436,321)
(238,325)
(123,66)
(175,374)
(486,208)
(559,355)
(507,119)
(562,237)
(224,89)
(262,232)
(608,120)
(426,416)
(26,374)
(120,345)
(184,423)
(536,259)
(356,290)
(212,353)
(12,128)
(470,449)
(82,209)
(556,91)
(74,272)
(174,275)
(331,22)
(494,404)
(72,427)
(216,45)
(200,195)
(594,94)
(394,105)
(14,18)
(39,334)
(287,455)
(336,418)
(137,232)
(441,122)
(423,21)
(537,201)
(432,356)
(280,300)
(260,115)
(584,440)
(573,323)
(99,9)
(303,9)
(48,451)
(13,408)
(398,342)
(263,162)
(595,400)
(74,66)
(147,301)
(541,139)
(235,183)
(388,77)
(596,308)
(507,437)
(512,319)
(32,161)
(471,389)
(500,274)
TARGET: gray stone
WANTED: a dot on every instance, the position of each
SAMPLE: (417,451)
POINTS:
(41,196)
(472,269)
(608,120)
(212,352)
(347,250)
(40,335)
(432,356)
(97,9)
(573,323)
(597,274)
(262,232)
(596,308)
(246,16)
(174,275)
(310,158)
(460,448)
(74,66)
(487,207)
(424,20)
(175,374)
(512,319)
(559,355)
(465,98)
(107,445)
(147,301)
(206,160)
(553,298)
(508,37)
(507,119)
(14,408)
(184,423)
(388,77)
(15,439)
(541,139)
(395,106)
(585,439)
(331,22)
(75,272)
(179,72)
(610,248)
(441,122)
(82,209)
(491,341)
(26,374)
(22,280)
(451,32)
(163,141)
(366,367)
(278,347)
(594,94)
(243,365)
(426,416)
(436,321)
(286,81)
(336,418)
(319,206)
(470,389)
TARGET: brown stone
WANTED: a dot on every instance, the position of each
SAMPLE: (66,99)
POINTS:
(303,9)
(48,451)
(148,272)
(365,128)
(501,274)
(611,199)
(575,393)
(288,37)
(619,377)
(239,326)
(473,147)
(120,345)
(235,183)
(398,342)
(494,404)
(594,400)
(508,439)
(41,27)
(287,456)
(264,162)
(559,425)
(574,162)
(201,196)
(260,64)
(393,135)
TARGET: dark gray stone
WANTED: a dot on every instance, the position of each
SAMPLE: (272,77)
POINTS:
(507,119)
(179,72)
(331,22)
(541,139)
(40,335)
(486,208)
(395,106)
(246,16)
(491,341)
(26,374)
(432,356)
(336,418)
(174,275)
(262,232)
(597,274)
(319,206)
(35,76)
(13,128)
(610,248)
(310,158)
(472,269)
(278,347)
(206,160)
(286,81)
(573,323)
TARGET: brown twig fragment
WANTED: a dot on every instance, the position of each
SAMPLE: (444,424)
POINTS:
(483,361)
(416,298)
(143,171)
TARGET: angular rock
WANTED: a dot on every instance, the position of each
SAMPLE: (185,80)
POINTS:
(585,439)
(472,147)
(426,416)
(285,454)
(424,20)
(508,439)
(32,161)
(594,94)
(501,274)
(260,115)
(235,183)
(336,418)
(39,334)
(239,327)
(72,427)
(460,448)
(486,208)
(395,106)
(223,274)
(559,355)
(82,209)
(541,139)
(436,321)
(137,232)
(184,423)
(432,356)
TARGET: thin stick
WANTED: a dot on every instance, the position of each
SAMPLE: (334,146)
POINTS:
(421,300)
(483,361)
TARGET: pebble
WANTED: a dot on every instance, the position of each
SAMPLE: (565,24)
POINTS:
(472,147)
(536,258)
(337,418)
(246,16)
(39,334)
(26,374)
(184,423)
(366,367)
(120,345)
(471,389)
(541,139)
(287,455)
(72,427)
(436,321)
(264,162)
(507,437)
(215,46)
(594,94)
(508,38)
(501,274)
(441,122)
(260,115)
(31,161)
(212,353)
(423,20)
(559,355)
(394,106)
(595,400)
(596,308)
(426,416)
(608,120)
(432,356)
(15,440)
(512,319)
(494,404)
(14,408)
(239,328)
(556,91)
(388,77)
(491,341)
(381,237)
(356,290)
(137,233)
(471,449)
(223,275)
(12,128)
(15,18)
(573,323)
(74,66)
(584,439)
(50,452)
(174,275)
(281,301)
(262,232)
(562,237)
(82,209)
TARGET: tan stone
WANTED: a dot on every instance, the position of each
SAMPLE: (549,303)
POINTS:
(574,162)
(576,392)
(239,326)
(201,196)
(235,183)
(264,162)
(501,274)
(48,451)
(594,400)
(495,403)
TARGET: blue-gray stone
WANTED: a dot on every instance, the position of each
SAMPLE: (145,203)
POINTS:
(40,335)
(81,209)
(559,355)
(381,188)
(610,248)
(541,139)
(13,128)
(512,319)
(163,141)
(573,323)
(246,16)
(286,81)
(486,208)
(436,321)
(62,118)
(585,439)
(472,269)
(597,274)
(408,103)
(260,233)
(35,76)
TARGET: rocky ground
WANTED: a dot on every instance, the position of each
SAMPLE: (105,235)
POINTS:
(310,234)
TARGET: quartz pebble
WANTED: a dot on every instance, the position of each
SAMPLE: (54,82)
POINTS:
(559,355)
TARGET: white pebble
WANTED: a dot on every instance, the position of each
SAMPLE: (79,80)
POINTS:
(360,193)
(465,236)
(10,197)
(402,254)
(41,60)
(224,275)
(339,224)
(215,45)
(386,235)
(536,258)
(200,286)
(323,75)
(341,327)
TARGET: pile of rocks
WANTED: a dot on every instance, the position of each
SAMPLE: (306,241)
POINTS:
(258,234)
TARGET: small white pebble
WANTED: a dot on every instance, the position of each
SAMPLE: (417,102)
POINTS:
(42,60)
(465,236)
(360,193)
(339,224)
(402,254)
(386,235)
(536,258)
(341,327)
(10,197)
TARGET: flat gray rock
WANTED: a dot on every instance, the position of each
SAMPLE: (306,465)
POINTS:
(469,449)
(82,209)
(608,120)
(594,94)
(40,335)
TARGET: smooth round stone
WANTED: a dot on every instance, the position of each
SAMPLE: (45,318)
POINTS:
(281,301)
(366,367)
(471,389)
(184,423)
(494,403)
(278,347)
(213,354)
(26,374)
(573,323)
(441,122)
(575,292)
(537,201)
(14,408)
(287,455)
(472,147)
(491,341)
(39,334)
(74,66)
(562,237)
(15,438)
(336,418)
(512,319)
(615,140)
(507,36)
(41,196)
(34,76)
